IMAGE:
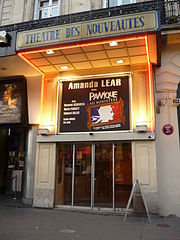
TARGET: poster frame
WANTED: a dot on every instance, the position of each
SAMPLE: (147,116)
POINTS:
(23,108)
(92,77)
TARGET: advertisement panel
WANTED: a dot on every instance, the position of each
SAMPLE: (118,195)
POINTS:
(95,105)
(12,93)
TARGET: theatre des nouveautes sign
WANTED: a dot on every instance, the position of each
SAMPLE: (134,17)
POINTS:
(89,30)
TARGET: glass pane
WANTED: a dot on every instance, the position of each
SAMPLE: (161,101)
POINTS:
(113,3)
(82,175)
(55,2)
(43,13)
(125,2)
(44,3)
(64,175)
(122,173)
(54,12)
(103,192)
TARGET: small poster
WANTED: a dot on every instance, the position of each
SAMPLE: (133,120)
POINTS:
(10,101)
(95,105)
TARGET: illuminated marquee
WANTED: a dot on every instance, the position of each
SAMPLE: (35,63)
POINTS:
(120,25)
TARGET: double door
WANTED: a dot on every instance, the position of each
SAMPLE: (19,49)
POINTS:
(94,175)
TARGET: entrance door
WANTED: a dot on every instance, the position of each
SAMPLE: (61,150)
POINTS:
(94,175)
(73,175)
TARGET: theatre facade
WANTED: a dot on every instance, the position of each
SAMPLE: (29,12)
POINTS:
(96,117)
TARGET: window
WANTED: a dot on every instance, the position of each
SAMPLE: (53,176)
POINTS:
(47,8)
(113,3)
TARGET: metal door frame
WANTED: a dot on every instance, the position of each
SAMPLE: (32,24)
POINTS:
(93,179)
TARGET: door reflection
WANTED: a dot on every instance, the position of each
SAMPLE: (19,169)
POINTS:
(82,175)
(122,173)
(64,175)
(103,193)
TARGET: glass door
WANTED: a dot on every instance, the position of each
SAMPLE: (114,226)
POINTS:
(82,175)
(103,188)
(94,175)
(64,172)
(122,173)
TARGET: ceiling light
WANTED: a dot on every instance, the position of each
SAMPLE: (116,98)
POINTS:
(50,51)
(113,44)
(64,67)
(120,61)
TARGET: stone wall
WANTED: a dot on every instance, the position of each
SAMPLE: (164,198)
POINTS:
(13,11)
(168,148)
(5,11)
(73,6)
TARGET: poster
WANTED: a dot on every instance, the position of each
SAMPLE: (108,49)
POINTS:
(95,105)
(10,101)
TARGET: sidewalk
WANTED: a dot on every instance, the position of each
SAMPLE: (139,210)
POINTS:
(56,224)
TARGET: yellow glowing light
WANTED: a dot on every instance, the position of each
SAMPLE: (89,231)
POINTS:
(141,117)
(50,51)
(64,67)
(120,61)
(113,44)
(150,84)
(84,44)
(42,81)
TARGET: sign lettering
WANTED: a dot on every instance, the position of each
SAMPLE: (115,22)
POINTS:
(94,29)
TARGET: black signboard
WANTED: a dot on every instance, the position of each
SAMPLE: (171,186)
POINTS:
(95,105)
(12,100)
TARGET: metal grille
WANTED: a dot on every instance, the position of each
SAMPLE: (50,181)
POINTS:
(172,10)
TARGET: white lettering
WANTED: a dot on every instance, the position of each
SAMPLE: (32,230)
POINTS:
(83,85)
(111,82)
(103,95)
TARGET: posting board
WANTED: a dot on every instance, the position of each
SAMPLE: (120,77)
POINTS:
(95,105)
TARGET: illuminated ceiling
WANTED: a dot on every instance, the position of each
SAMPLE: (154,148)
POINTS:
(14,65)
(91,57)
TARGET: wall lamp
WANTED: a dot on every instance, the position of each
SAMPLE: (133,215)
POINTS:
(43,131)
(141,128)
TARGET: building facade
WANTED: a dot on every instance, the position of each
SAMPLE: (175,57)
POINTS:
(89,103)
